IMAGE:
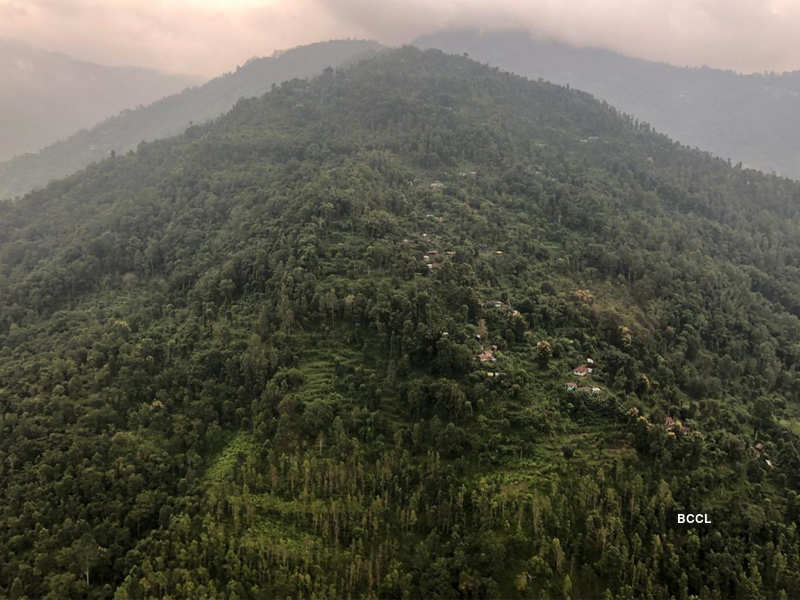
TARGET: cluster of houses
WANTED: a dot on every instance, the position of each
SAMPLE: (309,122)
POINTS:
(434,259)
(487,356)
(582,371)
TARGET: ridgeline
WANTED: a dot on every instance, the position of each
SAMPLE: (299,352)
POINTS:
(172,114)
(415,328)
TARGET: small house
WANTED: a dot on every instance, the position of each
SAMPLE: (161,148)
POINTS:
(581,371)
(488,355)
(572,386)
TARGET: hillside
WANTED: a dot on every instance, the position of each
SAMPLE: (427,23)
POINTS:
(747,118)
(47,96)
(323,346)
(173,114)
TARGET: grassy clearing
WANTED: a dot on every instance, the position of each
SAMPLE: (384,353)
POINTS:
(222,467)
(546,461)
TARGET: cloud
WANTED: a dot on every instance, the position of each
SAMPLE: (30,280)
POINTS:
(12,10)
(205,37)
(745,35)
(212,36)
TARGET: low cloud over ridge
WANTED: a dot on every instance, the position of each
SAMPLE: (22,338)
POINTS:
(210,36)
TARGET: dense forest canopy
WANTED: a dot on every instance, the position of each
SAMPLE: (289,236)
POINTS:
(747,118)
(415,328)
(170,115)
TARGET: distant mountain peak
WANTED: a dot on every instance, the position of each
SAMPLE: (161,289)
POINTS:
(171,114)
(47,95)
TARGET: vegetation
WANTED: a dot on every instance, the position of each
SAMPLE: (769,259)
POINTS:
(320,348)
(748,118)
(170,115)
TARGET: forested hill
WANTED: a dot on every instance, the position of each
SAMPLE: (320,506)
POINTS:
(418,328)
(46,96)
(747,118)
(172,114)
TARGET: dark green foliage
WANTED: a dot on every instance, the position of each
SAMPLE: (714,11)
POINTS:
(748,118)
(293,353)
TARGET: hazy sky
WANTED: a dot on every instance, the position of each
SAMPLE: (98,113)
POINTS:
(211,36)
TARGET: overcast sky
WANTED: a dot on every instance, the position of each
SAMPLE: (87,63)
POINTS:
(208,37)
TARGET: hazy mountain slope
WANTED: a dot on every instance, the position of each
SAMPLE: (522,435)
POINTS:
(321,347)
(748,118)
(47,96)
(172,115)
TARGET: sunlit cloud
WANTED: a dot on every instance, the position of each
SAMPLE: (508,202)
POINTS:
(211,36)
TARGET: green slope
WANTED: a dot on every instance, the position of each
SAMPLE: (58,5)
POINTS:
(244,362)
(747,118)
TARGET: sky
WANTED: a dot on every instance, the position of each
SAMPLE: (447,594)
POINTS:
(209,37)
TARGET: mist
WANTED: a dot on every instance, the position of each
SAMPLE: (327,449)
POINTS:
(211,36)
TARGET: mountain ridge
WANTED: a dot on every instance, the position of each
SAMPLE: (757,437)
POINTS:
(171,115)
(741,117)
(324,345)
(55,95)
